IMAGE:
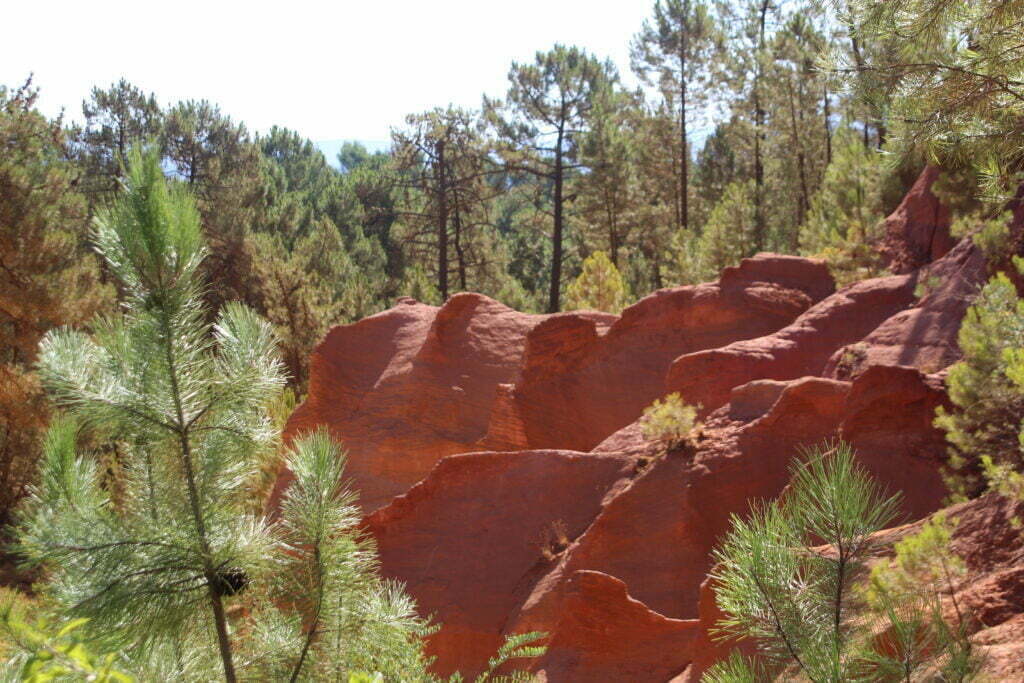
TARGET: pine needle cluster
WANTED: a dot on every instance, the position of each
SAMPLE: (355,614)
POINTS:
(171,568)
(788,579)
(953,78)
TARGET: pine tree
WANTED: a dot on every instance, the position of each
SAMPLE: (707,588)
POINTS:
(797,85)
(113,120)
(951,76)
(443,173)
(654,146)
(675,51)
(846,212)
(167,563)
(749,25)
(599,286)
(801,606)
(47,279)
(986,420)
(607,196)
(219,163)
(299,190)
(730,232)
(547,108)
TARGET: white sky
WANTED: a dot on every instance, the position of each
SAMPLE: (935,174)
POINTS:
(346,69)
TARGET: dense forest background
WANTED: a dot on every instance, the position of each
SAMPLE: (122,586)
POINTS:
(760,126)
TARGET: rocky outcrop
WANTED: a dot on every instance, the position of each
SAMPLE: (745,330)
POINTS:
(925,335)
(797,350)
(404,388)
(605,635)
(509,484)
(561,401)
(917,232)
(501,543)
(473,536)
(656,535)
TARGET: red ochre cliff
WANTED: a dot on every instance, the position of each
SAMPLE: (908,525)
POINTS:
(505,479)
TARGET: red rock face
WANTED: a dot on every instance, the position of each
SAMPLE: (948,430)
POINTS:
(657,533)
(562,398)
(924,336)
(602,540)
(415,383)
(468,540)
(605,635)
(797,350)
(406,387)
(917,232)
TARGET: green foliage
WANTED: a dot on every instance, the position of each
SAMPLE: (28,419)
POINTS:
(418,285)
(599,287)
(548,107)
(737,669)
(113,120)
(992,235)
(353,620)
(800,604)
(951,78)
(444,199)
(847,209)
(517,646)
(675,51)
(908,592)
(986,420)
(923,561)
(47,278)
(669,420)
(726,240)
(156,568)
(44,652)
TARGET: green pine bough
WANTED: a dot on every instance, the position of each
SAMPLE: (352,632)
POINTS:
(790,578)
(161,559)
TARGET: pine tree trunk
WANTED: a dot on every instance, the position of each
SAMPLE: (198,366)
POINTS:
(460,253)
(442,222)
(796,126)
(209,571)
(759,218)
(613,231)
(828,127)
(684,159)
(554,300)
(858,60)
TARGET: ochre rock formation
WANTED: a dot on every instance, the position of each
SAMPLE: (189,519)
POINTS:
(468,539)
(925,335)
(561,401)
(471,537)
(797,350)
(415,383)
(406,387)
(605,635)
(917,232)
(508,482)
